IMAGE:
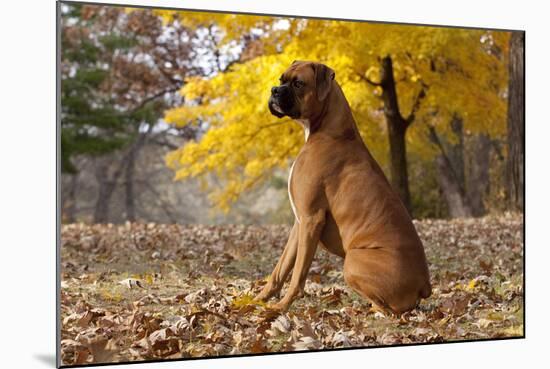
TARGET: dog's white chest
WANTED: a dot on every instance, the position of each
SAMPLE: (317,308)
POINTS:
(290,193)
(305,123)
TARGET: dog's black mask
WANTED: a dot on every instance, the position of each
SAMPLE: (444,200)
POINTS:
(283,102)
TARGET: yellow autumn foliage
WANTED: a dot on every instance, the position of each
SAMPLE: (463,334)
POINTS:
(245,143)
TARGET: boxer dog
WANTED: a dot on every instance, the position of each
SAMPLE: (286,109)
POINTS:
(342,201)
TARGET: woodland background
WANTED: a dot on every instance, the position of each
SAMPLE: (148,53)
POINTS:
(153,95)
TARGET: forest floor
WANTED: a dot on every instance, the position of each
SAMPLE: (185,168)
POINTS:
(149,291)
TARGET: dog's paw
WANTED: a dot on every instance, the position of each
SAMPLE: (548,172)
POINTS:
(281,307)
(261,297)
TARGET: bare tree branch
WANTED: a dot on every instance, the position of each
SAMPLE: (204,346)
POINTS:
(416,105)
(260,128)
(154,97)
(164,143)
(368,80)
(434,138)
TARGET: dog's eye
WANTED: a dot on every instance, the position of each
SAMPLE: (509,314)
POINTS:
(298,83)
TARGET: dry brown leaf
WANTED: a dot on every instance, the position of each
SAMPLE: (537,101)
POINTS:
(307,343)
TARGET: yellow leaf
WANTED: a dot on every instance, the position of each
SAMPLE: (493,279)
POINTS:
(148,279)
(244,300)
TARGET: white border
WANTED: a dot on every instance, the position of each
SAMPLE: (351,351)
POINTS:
(27,193)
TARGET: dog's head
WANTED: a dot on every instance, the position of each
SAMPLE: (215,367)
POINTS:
(303,90)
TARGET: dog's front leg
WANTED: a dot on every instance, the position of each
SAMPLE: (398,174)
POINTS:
(283,267)
(309,232)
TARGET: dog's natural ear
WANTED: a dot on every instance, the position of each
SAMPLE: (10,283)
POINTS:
(323,80)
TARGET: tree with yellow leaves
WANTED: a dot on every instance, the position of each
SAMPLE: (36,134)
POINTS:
(401,81)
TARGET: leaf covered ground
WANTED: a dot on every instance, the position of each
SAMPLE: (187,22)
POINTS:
(149,291)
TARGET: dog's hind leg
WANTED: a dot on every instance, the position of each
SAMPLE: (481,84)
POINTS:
(371,273)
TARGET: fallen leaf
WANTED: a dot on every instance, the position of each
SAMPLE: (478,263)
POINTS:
(131,283)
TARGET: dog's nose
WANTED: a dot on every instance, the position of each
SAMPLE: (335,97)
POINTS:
(275,91)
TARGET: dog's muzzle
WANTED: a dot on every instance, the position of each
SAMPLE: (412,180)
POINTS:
(281,101)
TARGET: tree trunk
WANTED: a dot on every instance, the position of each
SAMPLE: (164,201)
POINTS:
(129,188)
(106,188)
(397,128)
(455,151)
(478,173)
(398,157)
(450,169)
(516,123)
(69,202)
(129,177)
(454,195)
(107,184)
